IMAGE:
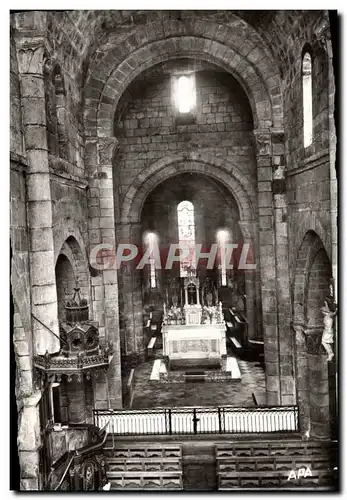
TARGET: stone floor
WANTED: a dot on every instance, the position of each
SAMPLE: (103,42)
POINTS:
(235,393)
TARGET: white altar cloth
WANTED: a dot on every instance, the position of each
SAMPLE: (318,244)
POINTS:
(189,344)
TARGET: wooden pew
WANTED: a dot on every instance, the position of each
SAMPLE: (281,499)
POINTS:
(150,346)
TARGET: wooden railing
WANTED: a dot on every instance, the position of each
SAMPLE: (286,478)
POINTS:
(200,420)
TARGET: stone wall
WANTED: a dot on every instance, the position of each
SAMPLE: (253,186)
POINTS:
(311,221)
(160,214)
(148,128)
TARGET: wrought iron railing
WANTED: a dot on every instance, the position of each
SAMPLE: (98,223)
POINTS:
(199,420)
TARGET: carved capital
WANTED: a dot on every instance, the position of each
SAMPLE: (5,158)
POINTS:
(31,55)
(107,147)
(262,142)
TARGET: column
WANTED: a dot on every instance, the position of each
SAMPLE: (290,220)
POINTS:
(286,341)
(302,382)
(131,290)
(31,53)
(273,240)
(105,224)
(318,386)
(248,232)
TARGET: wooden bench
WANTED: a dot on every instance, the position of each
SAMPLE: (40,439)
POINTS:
(164,464)
(145,467)
(150,346)
(148,450)
(235,342)
(155,374)
(269,464)
(146,480)
(233,368)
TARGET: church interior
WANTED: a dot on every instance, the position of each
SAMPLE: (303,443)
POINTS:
(173,239)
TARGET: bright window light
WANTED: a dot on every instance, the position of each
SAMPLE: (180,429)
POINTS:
(186,236)
(151,240)
(307,98)
(222,237)
(185,93)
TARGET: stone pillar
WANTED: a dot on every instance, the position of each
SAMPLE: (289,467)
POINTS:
(76,400)
(29,442)
(302,382)
(99,167)
(318,385)
(247,228)
(268,265)
(285,335)
(132,293)
(30,53)
(273,239)
(333,202)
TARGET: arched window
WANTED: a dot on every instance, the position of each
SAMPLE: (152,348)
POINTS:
(151,243)
(185,94)
(223,237)
(307,97)
(186,236)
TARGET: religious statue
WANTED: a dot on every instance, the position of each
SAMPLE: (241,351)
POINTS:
(174,300)
(209,299)
(328,332)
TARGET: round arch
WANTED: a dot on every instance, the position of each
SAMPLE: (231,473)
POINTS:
(218,169)
(313,272)
(308,250)
(248,62)
(72,251)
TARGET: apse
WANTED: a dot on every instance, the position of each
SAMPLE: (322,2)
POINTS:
(179,212)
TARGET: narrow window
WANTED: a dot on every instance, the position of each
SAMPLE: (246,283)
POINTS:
(222,237)
(307,98)
(186,236)
(185,93)
(152,273)
(151,242)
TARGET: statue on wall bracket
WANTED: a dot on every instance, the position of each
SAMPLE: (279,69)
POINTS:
(329,311)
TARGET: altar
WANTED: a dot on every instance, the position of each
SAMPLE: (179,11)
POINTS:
(194,346)
(194,333)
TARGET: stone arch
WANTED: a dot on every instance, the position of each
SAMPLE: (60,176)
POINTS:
(315,379)
(71,263)
(224,46)
(129,222)
(310,247)
(65,282)
(125,74)
(310,222)
(63,231)
(218,169)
